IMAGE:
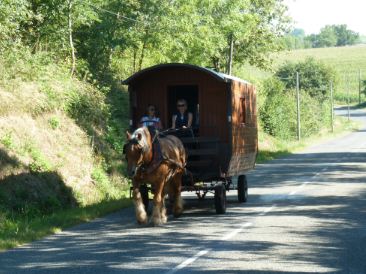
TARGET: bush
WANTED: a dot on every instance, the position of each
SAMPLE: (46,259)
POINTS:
(314,75)
(363,84)
(279,112)
(279,116)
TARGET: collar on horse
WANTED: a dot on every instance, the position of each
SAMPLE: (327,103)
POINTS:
(157,156)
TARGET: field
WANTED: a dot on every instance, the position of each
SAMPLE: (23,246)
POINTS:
(347,61)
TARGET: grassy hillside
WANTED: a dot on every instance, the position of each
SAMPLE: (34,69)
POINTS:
(347,61)
(60,144)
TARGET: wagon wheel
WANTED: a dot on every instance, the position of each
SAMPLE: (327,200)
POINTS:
(144,191)
(242,189)
(220,199)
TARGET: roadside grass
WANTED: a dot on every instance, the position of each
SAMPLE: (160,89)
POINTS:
(271,148)
(18,229)
(61,143)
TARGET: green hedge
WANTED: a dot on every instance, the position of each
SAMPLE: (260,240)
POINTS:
(278,113)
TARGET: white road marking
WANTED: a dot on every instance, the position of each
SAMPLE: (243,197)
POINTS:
(307,182)
(292,192)
(188,261)
(268,209)
(236,231)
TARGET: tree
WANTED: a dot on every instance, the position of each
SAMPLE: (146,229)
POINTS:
(13,14)
(298,32)
(296,39)
(345,36)
(255,26)
(326,38)
(52,24)
(315,76)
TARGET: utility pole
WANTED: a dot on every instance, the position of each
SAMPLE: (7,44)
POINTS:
(331,106)
(71,41)
(359,86)
(348,99)
(298,106)
(230,63)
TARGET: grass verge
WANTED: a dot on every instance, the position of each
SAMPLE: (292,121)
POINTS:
(17,229)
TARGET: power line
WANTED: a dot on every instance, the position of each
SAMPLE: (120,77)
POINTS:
(118,15)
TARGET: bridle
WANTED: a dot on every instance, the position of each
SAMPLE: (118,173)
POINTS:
(140,163)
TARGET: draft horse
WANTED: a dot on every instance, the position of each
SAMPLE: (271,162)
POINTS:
(164,173)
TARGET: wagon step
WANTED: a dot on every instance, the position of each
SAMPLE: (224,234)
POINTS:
(206,175)
(199,163)
(202,152)
(190,140)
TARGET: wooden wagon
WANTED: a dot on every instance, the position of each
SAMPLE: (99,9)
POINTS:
(222,145)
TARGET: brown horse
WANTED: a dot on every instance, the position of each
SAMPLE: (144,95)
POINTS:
(164,175)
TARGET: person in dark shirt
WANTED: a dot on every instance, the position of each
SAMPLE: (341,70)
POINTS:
(182,118)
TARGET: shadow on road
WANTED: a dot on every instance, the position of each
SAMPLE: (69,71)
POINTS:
(116,244)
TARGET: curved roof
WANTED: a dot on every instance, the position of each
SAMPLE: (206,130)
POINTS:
(218,75)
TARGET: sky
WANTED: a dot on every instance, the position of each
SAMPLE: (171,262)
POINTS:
(312,15)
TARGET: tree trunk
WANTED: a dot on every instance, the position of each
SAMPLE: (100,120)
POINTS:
(216,63)
(134,58)
(73,57)
(144,45)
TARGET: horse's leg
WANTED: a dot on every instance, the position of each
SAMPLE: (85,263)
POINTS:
(158,203)
(141,215)
(168,190)
(164,218)
(178,202)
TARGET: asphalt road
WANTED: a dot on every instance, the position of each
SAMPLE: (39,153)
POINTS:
(306,214)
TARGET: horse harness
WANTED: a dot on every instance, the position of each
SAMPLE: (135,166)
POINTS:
(157,155)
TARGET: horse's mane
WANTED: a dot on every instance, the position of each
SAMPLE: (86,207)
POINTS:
(144,140)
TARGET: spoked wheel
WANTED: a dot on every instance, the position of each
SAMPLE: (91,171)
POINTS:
(220,199)
(144,191)
(242,189)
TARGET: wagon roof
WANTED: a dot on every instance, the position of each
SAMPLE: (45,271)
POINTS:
(218,75)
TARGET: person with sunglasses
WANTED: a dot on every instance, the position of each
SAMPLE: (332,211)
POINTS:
(150,119)
(182,118)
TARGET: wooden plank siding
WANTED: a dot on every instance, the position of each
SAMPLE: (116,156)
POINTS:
(244,143)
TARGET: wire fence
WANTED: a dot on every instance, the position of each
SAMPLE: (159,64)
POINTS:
(351,87)
(358,90)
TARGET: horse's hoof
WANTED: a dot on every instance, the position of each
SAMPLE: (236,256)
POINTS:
(157,221)
(142,223)
(177,214)
(164,219)
(142,219)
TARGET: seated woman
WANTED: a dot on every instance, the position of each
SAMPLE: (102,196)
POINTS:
(150,119)
(182,118)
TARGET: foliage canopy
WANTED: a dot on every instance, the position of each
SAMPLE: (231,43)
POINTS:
(123,37)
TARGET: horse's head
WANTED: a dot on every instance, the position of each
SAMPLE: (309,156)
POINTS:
(135,149)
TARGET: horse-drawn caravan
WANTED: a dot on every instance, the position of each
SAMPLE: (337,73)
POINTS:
(221,145)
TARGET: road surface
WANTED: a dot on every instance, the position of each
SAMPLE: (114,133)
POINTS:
(306,214)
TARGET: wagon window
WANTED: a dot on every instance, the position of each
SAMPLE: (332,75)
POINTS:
(243,110)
